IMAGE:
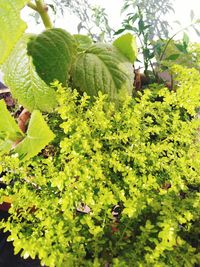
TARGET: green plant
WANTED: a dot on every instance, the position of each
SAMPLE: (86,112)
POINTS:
(142,32)
(32,62)
(147,22)
(144,20)
(169,52)
(38,134)
(118,186)
(154,14)
(176,52)
(100,19)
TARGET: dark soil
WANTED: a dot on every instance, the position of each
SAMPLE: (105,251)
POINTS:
(7,257)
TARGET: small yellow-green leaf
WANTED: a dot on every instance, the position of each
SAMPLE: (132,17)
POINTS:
(9,129)
(127,46)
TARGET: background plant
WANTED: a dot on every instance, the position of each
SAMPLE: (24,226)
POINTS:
(154,14)
(147,19)
(93,20)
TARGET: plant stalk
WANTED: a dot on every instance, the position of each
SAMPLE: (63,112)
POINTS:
(171,38)
(32,6)
(43,11)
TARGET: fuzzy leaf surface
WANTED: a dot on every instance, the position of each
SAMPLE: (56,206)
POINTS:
(12,27)
(53,52)
(84,41)
(25,84)
(38,136)
(103,68)
(127,46)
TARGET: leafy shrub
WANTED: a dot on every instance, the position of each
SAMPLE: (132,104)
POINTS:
(117,186)
(32,62)
(119,182)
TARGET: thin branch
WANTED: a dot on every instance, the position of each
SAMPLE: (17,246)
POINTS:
(32,6)
(42,9)
(170,39)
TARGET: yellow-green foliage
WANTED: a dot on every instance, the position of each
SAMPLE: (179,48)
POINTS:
(143,159)
(195,51)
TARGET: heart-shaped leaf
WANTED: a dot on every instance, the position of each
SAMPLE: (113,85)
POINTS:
(38,136)
(12,27)
(53,52)
(25,84)
(127,46)
(103,68)
(5,146)
(8,127)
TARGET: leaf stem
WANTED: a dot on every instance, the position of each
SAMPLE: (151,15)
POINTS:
(43,11)
(32,6)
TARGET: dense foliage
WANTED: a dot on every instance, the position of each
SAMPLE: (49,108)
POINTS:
(31,62)
(98,177)
(116,186)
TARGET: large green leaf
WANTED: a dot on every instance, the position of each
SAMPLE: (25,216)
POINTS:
(127,46)
(11,26)
(5,146)
(25,84)
(53,52)
(103,68)
(9,129)
(38,136)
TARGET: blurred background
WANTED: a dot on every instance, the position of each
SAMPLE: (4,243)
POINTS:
(68,14)
(103,20)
